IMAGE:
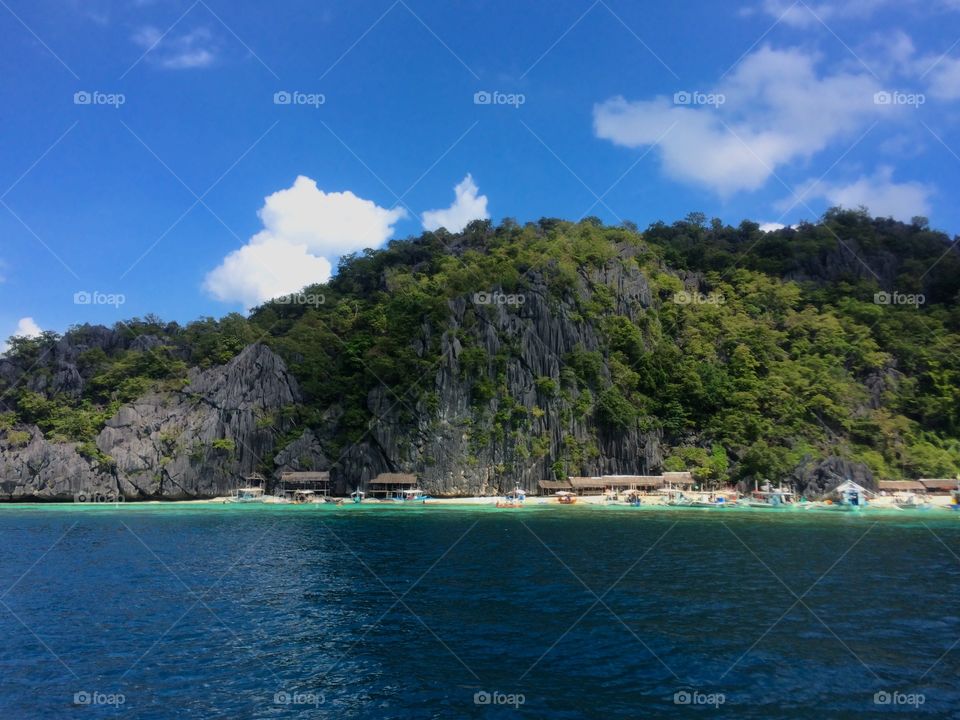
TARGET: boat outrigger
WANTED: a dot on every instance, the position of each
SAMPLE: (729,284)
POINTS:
(850,497)
(247,495)
(513,499)
(357,496)
(769,497)
(413,495)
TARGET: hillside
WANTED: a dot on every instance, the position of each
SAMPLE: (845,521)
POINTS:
(517,353)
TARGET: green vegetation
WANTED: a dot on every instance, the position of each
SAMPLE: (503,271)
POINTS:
(749,375)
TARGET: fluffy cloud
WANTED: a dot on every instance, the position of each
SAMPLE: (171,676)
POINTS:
(764,122)
(878,192)
(25,328)
(303,228)
(944,79)
(800,14)
(467,206)
(194,49)
(771,226)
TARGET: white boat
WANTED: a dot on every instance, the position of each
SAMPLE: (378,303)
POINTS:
(848,497)
(514,498)
(304,497)
(413,495)
(247,495)
(358,496)
(910,501)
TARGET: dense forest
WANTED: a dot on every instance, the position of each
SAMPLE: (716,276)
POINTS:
(748,351)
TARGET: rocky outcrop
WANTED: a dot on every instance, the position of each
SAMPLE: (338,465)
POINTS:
(815,477)
(304,453)
(193,442)
(459,447)
(31,467)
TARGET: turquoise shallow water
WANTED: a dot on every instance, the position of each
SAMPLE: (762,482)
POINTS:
(263,612)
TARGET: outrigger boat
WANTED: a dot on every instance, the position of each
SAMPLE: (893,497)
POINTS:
(910,501)
(357,496)
(770,498)
(566,498)
(713,500)
(676,498)
(513,499)
(414,495)
(247,495)
(851,497)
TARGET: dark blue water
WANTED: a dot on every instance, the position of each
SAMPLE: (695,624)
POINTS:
(259,612)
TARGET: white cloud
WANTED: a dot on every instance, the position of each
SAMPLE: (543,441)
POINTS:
(194,49)
(303,229)
(467,206)
(878,192)
(945,79)
(25,328)
(799,14)
(764,122)
(771,226)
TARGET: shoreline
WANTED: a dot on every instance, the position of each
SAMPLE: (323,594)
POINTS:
(884,504)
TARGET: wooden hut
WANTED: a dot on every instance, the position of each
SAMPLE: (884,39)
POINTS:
(587,485)
(386,485)
(939,486)
(550,487)
(678,479)
(901,486)
(315,481)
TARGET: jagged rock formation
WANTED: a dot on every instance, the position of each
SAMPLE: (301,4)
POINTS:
(193,442)
(453,449)
(814,478)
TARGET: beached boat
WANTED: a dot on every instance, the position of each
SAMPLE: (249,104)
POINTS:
(305,497)
(712,500)
(911,501)
(513,499)
(780,499)
(566,498)
(848,497)
(413,495)
(676,498)
(357,496)
(247,495)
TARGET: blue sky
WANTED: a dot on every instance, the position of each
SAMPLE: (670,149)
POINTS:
(150,162)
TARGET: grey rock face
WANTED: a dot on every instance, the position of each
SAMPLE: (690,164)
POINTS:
(42,470)
(456,447)
(304,453)
(814,478)
(189,443)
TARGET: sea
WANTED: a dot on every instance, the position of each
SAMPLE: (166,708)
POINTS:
(259,611)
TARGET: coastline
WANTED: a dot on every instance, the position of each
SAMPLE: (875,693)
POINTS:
(882,504)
